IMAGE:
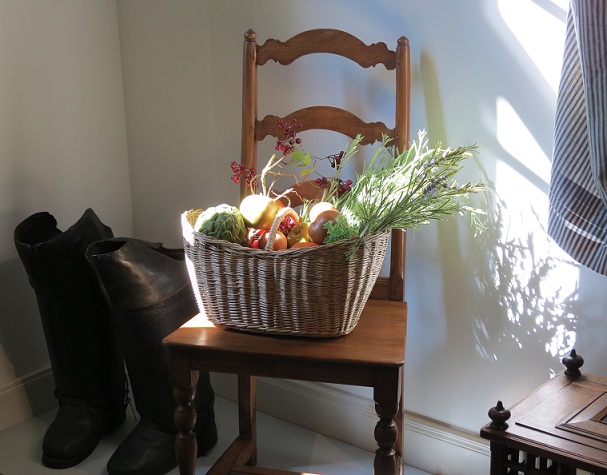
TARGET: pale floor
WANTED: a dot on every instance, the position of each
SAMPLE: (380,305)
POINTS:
(281,445)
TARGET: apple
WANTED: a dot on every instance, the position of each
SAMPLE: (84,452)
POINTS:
(259,211)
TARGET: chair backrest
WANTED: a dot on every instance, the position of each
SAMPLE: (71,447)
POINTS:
(328,117)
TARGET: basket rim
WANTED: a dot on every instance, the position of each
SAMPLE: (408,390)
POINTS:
(201,237)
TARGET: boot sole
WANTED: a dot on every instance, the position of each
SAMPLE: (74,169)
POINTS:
(64,463)
(51,462)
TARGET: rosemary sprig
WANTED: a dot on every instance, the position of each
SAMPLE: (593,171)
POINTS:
(408,190)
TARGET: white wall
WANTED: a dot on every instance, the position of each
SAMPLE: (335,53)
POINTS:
(62,150)
(489,315)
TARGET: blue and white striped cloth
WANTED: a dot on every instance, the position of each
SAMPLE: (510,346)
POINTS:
(578,187)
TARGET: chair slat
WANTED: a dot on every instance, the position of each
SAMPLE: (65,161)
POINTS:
(325,118)
(326,41)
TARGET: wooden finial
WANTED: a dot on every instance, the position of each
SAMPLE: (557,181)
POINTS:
(499,415)
(573,362)
(250,35)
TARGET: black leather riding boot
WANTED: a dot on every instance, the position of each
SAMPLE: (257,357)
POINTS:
(148,287)
(83,344)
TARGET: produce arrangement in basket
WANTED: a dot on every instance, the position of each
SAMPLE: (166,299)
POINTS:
(269,266)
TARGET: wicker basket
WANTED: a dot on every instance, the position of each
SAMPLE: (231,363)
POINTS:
(313,292)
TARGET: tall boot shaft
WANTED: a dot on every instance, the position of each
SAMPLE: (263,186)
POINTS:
(83,344)
(148,287)
(55,260)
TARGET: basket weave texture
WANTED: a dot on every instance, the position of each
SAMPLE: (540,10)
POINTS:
(312,292)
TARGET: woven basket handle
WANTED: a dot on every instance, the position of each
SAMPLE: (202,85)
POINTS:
(282,213)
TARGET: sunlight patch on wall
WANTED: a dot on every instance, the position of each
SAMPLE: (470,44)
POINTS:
(540,281)
(516,139)
(536,26)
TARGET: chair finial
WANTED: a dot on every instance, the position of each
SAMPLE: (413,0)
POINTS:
(250,35)
(403,41)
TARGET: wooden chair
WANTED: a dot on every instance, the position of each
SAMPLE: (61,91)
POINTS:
(330,118)
(373,353)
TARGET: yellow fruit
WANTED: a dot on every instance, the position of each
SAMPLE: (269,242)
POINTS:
(259,211)
(299,233)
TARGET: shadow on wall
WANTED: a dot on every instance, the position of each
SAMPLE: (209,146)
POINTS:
(23,352)
(519,298)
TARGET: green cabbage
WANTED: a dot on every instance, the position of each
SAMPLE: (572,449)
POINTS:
(223,222)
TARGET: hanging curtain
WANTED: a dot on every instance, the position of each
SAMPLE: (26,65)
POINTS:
(578,188)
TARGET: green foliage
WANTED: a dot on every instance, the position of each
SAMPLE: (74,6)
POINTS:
(303,160)
(338,231)
(408,190)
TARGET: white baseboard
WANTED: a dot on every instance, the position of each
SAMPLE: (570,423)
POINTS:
(343,413)
(23,397)
(349,415)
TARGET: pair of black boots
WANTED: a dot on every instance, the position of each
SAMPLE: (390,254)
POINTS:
(104,302)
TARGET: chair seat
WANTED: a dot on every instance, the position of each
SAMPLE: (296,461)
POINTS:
(372,355)
(368,345)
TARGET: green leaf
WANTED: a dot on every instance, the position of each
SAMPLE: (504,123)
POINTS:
(299,157)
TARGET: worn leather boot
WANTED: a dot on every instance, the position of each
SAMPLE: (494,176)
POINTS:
(83,344)
(149,289)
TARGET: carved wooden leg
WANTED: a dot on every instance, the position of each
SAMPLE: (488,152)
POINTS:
(184,382)
(499,456)
(247,409)
(387,397)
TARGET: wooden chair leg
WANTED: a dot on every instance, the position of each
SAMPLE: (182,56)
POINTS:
(387,394)
(184,383)
(242,452)
(399,447)
(247,409)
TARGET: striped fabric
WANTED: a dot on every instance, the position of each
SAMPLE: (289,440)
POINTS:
(578,187)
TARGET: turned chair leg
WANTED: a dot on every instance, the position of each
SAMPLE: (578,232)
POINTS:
(387,396)
(186,446)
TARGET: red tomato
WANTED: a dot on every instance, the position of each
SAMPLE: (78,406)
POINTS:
(280,241)
(254,235)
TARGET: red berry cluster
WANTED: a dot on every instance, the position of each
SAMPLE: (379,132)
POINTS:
(287,144)
(344,185)
(322,182)
(241,171)
(290,140)
(335,160)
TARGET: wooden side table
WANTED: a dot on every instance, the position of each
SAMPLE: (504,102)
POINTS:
(560,428)
(369,356)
